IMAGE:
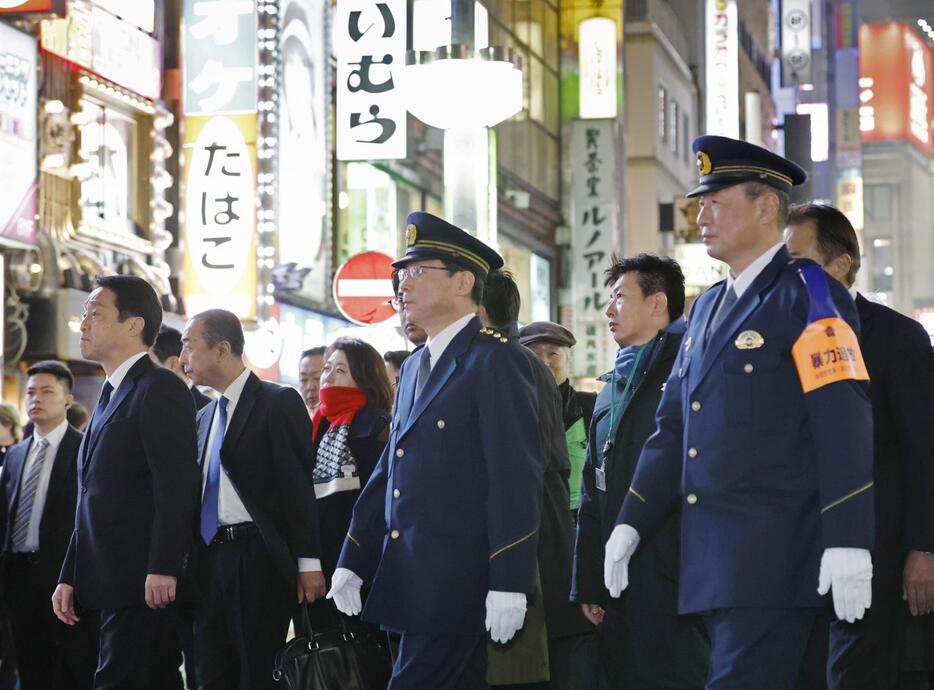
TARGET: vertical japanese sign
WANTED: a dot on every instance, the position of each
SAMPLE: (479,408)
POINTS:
(18,193)
(593,219)
(369,39)
(722,68)
(220,103)
(597,65)
(796,42)
(303,158)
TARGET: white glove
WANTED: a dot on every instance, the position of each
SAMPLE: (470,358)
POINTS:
(848,572)
(505,613)
(345,591)
(619,549)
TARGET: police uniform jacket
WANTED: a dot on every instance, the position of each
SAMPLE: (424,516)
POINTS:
(452,510)
(767,477)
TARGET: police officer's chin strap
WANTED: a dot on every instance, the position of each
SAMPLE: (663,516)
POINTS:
(505,611)
(844,571)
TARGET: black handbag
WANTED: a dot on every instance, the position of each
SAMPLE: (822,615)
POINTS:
(345,655)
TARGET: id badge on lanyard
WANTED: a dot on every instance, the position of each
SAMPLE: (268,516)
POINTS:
(600,472)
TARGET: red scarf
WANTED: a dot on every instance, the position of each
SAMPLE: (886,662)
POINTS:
(338,404)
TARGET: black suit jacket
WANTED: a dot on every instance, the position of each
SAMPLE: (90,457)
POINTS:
(898,355)
(268,457)
(58,513)
(200,399)
(138,490)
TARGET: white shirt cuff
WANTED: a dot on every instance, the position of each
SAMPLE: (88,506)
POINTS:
(309,565)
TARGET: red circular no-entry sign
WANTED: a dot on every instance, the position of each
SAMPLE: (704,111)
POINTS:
(363,288)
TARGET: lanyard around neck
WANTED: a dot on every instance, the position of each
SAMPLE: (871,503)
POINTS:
(614,407)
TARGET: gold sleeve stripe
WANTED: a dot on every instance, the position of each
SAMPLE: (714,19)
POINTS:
(515,543)
(636,494)
(350,537)
(846,498)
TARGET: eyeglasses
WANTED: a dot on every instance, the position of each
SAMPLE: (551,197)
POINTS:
(416,272)
(396,303)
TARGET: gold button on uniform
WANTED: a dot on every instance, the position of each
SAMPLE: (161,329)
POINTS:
(395,533)
(692,452)
(695,406)
(440,423)
(399,452)
(396,493)
(692,499)
(748,368)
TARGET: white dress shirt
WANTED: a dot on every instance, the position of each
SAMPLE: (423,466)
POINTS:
(439,343)
(120,372)
(230,509)
(742,282)
(54,439)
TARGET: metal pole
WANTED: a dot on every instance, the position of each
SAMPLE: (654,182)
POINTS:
(462,22)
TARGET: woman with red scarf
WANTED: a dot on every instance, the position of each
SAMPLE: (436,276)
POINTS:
(351,427)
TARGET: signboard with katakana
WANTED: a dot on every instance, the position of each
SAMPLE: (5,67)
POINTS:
(594,199)
(369,40)
(219,56)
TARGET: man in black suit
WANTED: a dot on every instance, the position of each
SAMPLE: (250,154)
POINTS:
(138,486)
(258,543)
(898,355)
(38,492)
(166,351)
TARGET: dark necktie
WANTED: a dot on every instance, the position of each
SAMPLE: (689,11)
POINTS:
(212,485)
(729,299)
(424,371)
(102,404)
(27,497)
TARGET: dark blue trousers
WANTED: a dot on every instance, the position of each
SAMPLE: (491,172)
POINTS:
(440,663)
(757,648)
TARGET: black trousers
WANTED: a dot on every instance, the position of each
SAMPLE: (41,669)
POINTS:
(49,654)
(130,656)
(440,663)
(243,618)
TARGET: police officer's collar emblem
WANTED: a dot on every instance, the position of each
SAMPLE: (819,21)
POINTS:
(703,163)
(749,340)
(411,234)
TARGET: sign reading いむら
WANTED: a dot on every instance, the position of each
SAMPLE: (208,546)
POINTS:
(369,40)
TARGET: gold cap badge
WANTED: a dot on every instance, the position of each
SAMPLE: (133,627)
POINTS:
(411,234)
(703,163)
(749,340)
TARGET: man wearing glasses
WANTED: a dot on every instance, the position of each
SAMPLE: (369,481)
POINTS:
(446,531)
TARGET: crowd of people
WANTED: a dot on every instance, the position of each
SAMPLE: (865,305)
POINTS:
(744,505)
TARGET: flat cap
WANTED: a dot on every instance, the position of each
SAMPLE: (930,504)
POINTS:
(430,237)
(546,331)
(724,162)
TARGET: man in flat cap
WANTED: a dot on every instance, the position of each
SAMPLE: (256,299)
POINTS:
(551,342)
(764,437)
(446,531)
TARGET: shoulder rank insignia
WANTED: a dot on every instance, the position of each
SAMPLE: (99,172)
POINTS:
(494,334)
(749,340)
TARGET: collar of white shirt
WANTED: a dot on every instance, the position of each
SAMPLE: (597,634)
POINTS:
(120,372)
(54,437)
(439,343)
(235,389)
(742,282)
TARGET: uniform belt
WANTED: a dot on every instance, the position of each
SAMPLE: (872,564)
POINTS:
(230,533)
(27,557)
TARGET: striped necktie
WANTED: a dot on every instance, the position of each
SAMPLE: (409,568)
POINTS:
(27,497)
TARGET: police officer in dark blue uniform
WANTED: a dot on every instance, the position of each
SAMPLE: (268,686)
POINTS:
(446,530)
(764,436)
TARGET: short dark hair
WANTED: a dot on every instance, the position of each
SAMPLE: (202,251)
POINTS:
(367,369)
(77,415)
(313,352)
(835,233)
(135,297)
(168,343)
(396,357)
(756,189)
(476,294)
(219,325)
(56,369)
(501,298)
(656,274)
